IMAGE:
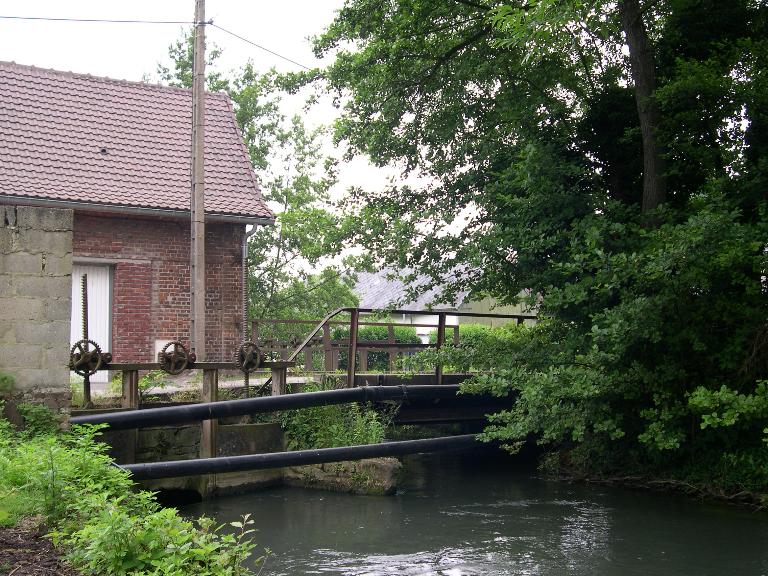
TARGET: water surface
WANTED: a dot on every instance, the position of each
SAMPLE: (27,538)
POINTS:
(463,515)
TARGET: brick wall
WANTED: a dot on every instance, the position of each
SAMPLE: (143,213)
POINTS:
(151,281)
(35,292)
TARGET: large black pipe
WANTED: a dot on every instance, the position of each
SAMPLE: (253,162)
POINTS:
(211,410)
(297,458)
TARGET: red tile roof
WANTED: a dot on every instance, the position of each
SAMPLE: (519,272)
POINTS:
(78,138)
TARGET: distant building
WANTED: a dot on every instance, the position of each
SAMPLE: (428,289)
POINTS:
(118,154)
(387,289)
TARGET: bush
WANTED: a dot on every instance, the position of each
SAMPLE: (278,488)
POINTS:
(38,419)
(103,525)
(469,335)
(479,349)
(332,426)
(7,382)
(377,361)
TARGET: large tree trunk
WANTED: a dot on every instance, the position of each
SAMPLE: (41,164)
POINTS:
(642,68)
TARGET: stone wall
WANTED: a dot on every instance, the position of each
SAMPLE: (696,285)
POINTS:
(35,294)
(183,443)
(378,476)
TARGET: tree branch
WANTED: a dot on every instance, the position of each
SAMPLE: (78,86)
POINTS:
(473,5)
(650,5)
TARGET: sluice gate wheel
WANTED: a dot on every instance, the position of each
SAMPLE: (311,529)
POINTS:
(249,357)
(83,360)
(176,361)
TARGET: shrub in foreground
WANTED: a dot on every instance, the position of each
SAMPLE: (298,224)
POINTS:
(103,525)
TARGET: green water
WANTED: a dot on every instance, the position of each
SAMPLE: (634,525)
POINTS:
(465,515)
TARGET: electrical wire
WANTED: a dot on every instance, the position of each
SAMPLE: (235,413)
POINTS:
(259,46)
(99,20)
(187,22)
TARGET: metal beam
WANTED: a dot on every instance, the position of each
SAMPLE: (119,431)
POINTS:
(298,458)
(210,410)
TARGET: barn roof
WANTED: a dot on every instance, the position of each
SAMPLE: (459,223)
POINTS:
(388,289)
(81,140)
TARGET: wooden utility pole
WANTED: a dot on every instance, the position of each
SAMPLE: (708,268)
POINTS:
(197,261)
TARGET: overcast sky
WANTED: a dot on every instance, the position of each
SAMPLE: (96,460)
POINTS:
(128,51)
(131,51)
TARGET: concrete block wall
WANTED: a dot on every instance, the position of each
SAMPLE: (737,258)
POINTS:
(35,294)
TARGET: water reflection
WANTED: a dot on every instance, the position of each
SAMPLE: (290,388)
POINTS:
(467,517)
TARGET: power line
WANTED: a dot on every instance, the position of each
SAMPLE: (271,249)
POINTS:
(186,22)
(99,20)
(259,46)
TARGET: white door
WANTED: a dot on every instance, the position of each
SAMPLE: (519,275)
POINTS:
(99,309)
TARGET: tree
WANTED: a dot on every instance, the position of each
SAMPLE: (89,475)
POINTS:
(626,191)
(295,177)
(309,298)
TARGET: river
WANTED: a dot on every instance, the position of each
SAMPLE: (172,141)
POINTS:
(467,515)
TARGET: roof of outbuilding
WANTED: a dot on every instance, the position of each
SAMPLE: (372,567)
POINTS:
(113,143)
(387,289)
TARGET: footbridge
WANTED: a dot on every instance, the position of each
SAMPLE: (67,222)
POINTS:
(422,398)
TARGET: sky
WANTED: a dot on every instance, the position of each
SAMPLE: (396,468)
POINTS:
(132,51)
(129,51)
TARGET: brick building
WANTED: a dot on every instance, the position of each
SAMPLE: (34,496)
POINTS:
(118,154)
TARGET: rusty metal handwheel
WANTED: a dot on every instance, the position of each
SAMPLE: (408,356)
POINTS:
(248,357)
(83,360)
(176,361)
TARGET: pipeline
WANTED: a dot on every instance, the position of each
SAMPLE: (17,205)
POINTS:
(225,408)
(297,458)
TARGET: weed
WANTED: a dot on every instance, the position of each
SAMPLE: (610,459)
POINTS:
(7,382)
(38,418)
(95,515)
(152,380)
(332,426)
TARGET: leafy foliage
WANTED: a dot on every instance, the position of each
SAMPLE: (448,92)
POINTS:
(332,426)
(522,121)
(103,524)
(294,176)
(377,361)
(38,419)
(7,382)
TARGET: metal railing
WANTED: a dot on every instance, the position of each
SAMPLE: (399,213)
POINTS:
(357,351)
(279,369)
(331,349)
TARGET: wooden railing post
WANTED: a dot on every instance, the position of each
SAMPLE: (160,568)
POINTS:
(208,448)
(279,378)
(327,351)
(456,335)
(363,359)
(209,429)
(440,342)
(130,389)
(392,351)
(354,319)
